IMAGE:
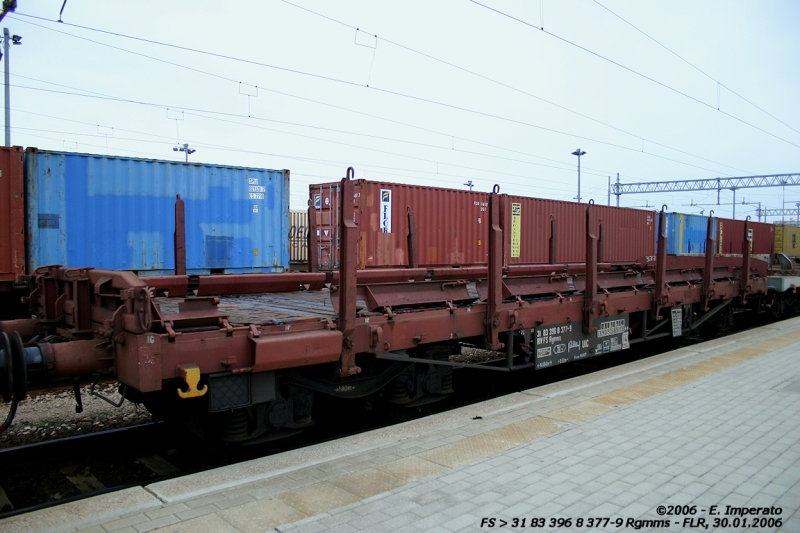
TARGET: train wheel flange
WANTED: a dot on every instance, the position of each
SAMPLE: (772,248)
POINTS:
(20,368)
(6,372)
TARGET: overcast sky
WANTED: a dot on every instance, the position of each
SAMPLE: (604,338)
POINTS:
(448,91)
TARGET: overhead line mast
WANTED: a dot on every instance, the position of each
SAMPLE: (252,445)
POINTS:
(713,184)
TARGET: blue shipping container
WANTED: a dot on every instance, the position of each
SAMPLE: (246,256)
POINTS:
(686,234)
(119,213)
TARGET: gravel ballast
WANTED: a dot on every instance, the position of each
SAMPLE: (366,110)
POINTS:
(50,414)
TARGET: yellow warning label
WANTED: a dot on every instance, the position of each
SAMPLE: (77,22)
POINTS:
(255,252)
(516,224)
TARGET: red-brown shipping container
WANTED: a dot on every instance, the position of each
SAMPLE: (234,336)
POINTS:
(12,214)
(452,227)
(451,224)
(731,236)
(627,234)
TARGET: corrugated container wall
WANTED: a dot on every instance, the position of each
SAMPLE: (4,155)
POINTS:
(298,236)
(451,224)
(628,234)
(686,234)
(118,213)
(12,214)
(731,236)
(787,240)
(453,227)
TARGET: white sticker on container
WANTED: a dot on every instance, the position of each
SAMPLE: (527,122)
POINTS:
(256,195)
(386,211)
(253,188)
(255,208)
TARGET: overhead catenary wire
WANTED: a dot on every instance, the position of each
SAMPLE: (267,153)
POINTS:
(308,100)
(331,163)
(635,72)
(314,160)
(165,106)
(354,84)
(492,171)
(698,69)
(187,112)
(508,86)
(565,168)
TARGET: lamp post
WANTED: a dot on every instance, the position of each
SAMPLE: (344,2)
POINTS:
(15,39)
(470,184)
(185,148)
(579,153)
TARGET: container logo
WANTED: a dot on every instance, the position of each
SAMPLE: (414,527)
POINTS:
(317,201)
(386,211)
(516,218)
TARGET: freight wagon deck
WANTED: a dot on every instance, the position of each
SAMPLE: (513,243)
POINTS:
(265,308)
(647,445)
(386,335)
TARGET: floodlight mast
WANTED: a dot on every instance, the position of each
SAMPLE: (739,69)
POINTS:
(579,153)
(15,39)
(184,148)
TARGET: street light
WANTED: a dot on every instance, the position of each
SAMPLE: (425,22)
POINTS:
(579,153)
(15,39)
(185,148)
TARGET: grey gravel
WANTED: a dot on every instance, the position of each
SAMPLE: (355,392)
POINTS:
(50,414)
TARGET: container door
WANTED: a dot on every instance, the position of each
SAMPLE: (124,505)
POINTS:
(325,199)
(12,214)
(298,236)
(779,240)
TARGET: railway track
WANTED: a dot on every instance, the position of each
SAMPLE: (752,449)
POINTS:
(54,472)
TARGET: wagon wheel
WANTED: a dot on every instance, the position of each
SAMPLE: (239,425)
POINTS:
(6,370)
(20,368)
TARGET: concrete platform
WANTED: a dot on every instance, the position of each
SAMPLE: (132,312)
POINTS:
(716,424)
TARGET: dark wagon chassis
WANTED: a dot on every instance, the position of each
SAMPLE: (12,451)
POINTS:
(393,335)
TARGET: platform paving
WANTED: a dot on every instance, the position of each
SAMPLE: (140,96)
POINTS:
(714,424)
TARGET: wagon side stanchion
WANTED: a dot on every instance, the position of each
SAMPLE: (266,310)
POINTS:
(600,241)
(348,263)
(708,273)
(590,293)
(495,273)
(659,296)
(413,257)
(312,238)
(745,275)
(180,237)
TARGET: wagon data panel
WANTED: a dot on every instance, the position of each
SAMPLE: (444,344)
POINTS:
(557,344)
